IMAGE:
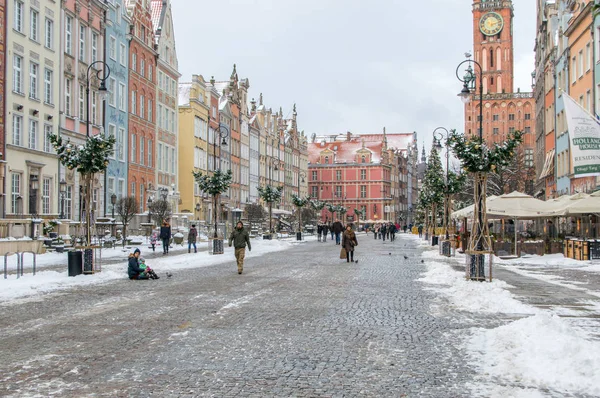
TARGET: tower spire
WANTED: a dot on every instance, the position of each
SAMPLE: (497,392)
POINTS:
(423,155)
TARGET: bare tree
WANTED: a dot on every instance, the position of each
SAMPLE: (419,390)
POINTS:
(518,175)
(161,211)
(127,208)
(255,213)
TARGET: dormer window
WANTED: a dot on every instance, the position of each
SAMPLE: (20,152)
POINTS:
(326,159)
(363,159)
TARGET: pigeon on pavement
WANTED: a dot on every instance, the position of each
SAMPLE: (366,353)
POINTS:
(169,274)
(406,257)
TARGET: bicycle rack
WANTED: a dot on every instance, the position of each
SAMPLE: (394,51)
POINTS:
(6,264)
(23,261)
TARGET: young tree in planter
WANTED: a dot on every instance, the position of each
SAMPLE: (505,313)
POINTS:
(161,211)
(270,195)
(318,206)
(300,203)
(127,208)
(433,183)
(214,185)
(88,159)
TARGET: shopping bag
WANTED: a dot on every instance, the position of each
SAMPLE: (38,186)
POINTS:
(343,253)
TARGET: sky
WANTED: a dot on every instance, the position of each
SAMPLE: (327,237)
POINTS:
(349,65)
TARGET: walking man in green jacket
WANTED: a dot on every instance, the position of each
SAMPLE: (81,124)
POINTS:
(240,238)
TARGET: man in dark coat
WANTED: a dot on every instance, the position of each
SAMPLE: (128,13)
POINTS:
(165,236)
(383,231)
(192,235)
(325,232)
(338,228)
(319,231)
(240,238)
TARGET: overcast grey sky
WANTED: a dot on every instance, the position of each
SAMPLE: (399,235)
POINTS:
(349,65)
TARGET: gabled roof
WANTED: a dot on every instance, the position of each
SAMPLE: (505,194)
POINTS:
(157,12)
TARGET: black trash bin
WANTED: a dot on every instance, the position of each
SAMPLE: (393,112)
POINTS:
(75,260)
(298,235)
(434,240)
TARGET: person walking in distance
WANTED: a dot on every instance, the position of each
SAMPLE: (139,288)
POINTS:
(165,236)
(331,230)
(319,231)
(325,231)
(420,230)
(338,228)
(349,242)
(240,238)
(192,235)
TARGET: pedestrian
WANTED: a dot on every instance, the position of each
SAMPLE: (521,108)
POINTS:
(349,242)
(153,240)
(240,238)
(375,231)
(165,236)
(134,270)
(404,228)
(392,232)
(331,230)
(383,231)
(319,231)
(192,235)
(420,230)
(325,231)
(338,228)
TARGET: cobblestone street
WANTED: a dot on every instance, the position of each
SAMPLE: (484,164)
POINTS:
(300,322)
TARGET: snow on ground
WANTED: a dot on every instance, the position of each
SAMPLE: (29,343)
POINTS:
(51,281)
(542,351)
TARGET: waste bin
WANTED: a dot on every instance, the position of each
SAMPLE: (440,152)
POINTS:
(298,235)
(434,240)
(75,261)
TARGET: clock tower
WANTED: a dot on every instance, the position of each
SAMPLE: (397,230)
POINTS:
(493,43)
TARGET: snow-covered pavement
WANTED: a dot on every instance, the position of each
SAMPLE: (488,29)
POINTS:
(548,349)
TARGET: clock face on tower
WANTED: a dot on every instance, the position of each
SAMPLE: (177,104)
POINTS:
(491,24)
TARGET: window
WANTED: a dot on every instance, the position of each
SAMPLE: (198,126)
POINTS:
(49,29)
(166,159)
(82,42)
(496,130)
(17,129)
(142,108)
(511,129)
(132,193)
(118,13)
(159,157)
(15,190)
(496,118)
(315,192)
(133,148)
(82,115)
(142,199)
(574,70)
(150,71)
(112,87)
(150,110)
(363,191)
(112,48)
(68,84)
(68,202)
(527,130)
(47,183)
(142,147)
(363,174)
(338,191)
(94,47)
(123,55)
(34,27)
(18,74)
(121,144)
(511,116)
(47,144)
(326,159)
(18,21)
(338,175)
(173,158)
(588,98)
(122,99)
(47,86)
(33,80)
(581,63)
(133,102)
(134,61)
(529,157)
(588,57)
(528,116)
(149,164)
(160,115)
(110,187)
(33,132)
(314,175)
(121,189)
(69,35)
(363,159)
(94,108)
(143,67)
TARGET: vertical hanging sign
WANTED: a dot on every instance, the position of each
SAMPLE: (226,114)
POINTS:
(584,136)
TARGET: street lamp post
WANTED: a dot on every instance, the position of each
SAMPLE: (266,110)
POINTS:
(197,211)
(113,202)
(149,201)
(222,132)
(33,191)
(63,191)
(274,164)
(438,135)
(301,177)
(476,242)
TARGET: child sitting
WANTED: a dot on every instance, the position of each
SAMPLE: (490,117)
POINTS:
(149,271)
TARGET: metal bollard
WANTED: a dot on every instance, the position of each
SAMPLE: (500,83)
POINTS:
(6,264)
(23,262)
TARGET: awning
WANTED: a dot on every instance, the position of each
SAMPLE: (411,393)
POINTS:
(279,211)
(548,164)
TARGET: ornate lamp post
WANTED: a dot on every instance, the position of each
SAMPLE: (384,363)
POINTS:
(33,191)
(102,75)
(438,136)
(479,242)
(149,201)
(63,191)
(197,208)
(113,202)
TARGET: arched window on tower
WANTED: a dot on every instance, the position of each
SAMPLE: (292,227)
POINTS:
(491,58)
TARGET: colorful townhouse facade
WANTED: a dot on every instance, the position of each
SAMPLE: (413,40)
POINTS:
(3,31)
(504,110)
(116,117)
(166,100)
(31,108)
(142,158)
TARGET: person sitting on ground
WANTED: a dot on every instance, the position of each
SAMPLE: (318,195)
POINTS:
(134,270)
(149,271)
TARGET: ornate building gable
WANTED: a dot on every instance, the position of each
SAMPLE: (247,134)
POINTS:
(164,34)
(327,156)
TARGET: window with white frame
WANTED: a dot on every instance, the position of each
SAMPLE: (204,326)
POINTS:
(150,102)
(112,86)
(150,71)
(173,159)
(588,98)
(68,84)
(159,157)
(574,70)
(172,125)
(47,144)
(112,48)
(33,133)
(68,202)
(46,195)
(49,30)
(160,116)
(133,61)
(94,108)
(122,98)
(110,185)
(142,199)
(588,57)
(19,17)
(34,25)
(133,102)
(142,107)
(123,55)
(529,157)
(15,190)
(82,33)
(121,189)
(82,115)
(47,86)
(18,74)
(142,147)
(132,192)
(121,140)
(143,67)
(17,130)
(69,35)
(149,163)
(94,47)
(581,63)
(133,148)
(33,80)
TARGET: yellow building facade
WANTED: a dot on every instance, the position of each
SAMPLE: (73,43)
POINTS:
(194,108)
